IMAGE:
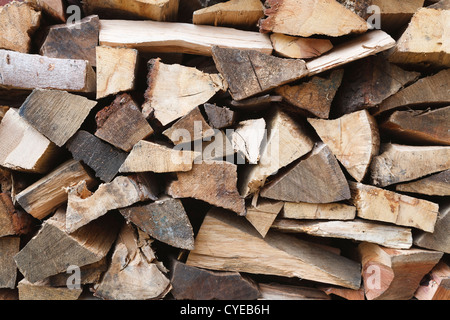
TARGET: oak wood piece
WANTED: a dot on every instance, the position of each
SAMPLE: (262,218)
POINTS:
(318,211)
(262,214)
(76,40)
(420,126)
(18,22)
(143,277)
(298,47)
(154,157)
(174,90)
(24,71)
(18,138)
(353,138)
(56,114)
(229,243)
(306,18)
(258,72)
(233,13)
(116,70)
(151,36)
(165,220)
(47,194)
(358,230)
(13,221)
(315,179)
(53,250)
(378,204)
(100,156)
(399,163)
(437,184)
(392,274)
(9,247)
(122,123)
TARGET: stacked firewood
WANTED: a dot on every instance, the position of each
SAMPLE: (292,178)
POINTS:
(240,149)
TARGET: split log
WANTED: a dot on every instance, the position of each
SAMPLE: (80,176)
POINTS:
(314,96)
(229,243)
(437,184)
(315,179)
(150,156)
(24,71)
(374,203)
(248,137)
(318,211)
(429,91)
(116,70)
(427,127)
(438,240)
(13,221)
(77,40)
(189,128)
(263,214)
(249,72)
(100,156)
(286,141)
(437,286)
(276,291)
(9,247)
(233,13)
(358,230)
(41,291)
(217,147)
(141,278)
(56,114)
(165,10)
(53,8)
(211,181)
(306,18)
(18,138)
(299,48)
(122,123)
(191,283)
(165,220)
(419,45)
(219,117)
(399,163)
(151,36)
(347,294)
(18,22)
(391,274)
(365,45)
(47,194)
(353,139)
(368,82)
(84,206)
(53,250)
(169,101)
(256,104)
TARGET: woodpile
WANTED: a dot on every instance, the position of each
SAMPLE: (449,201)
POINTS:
(227,150)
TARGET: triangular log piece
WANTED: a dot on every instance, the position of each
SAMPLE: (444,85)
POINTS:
(263,214)
(299,48)
(247,138)
(219,117)
(437,184)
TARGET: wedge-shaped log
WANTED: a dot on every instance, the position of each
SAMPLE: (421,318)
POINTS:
(353,139)
(142,278)
(248,137)
(315,179)
(84,206)
(298,47)
(358,230)
(24,71)
(53,250)
(211,181)
(9,247)
(56,114)
(18,138)
(249,72)
(154,36)
(229,243)
(400,163)
(392,274)
(311,17)
(374,203)
(46,194)
(165,220)
(263,214)
(174,90)
(150,156)
(318,211)
(219,117)
(437,184)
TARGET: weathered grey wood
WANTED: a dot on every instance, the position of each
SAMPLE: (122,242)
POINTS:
(9,247)
(437,184)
